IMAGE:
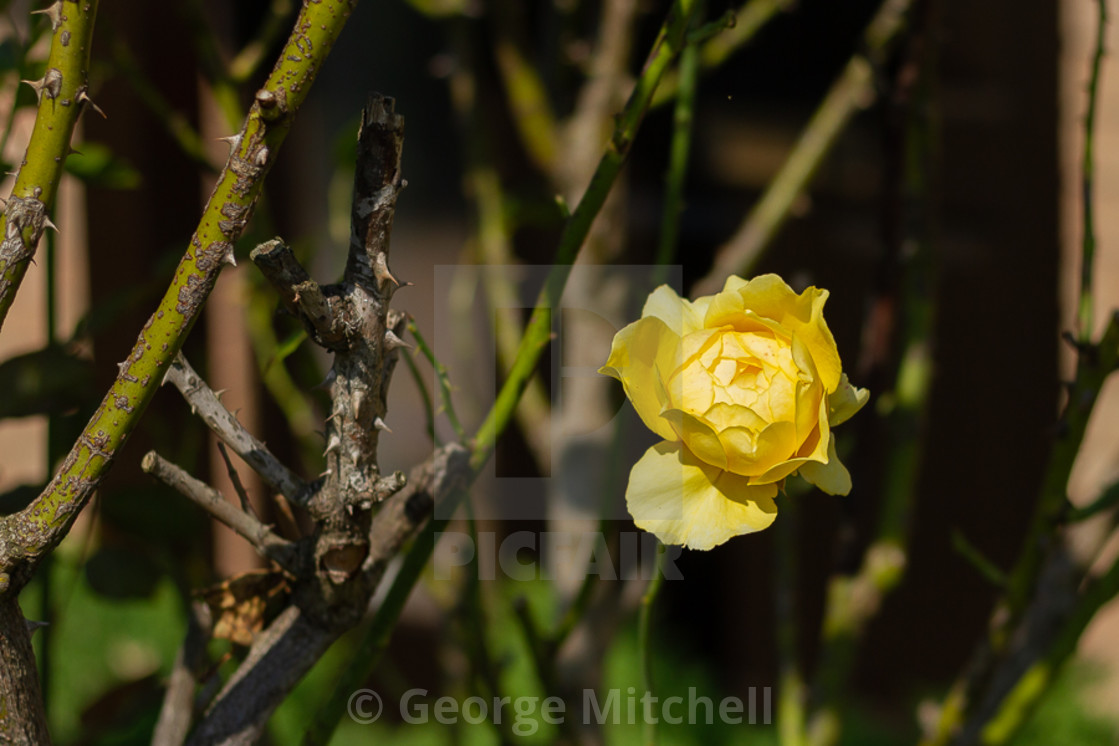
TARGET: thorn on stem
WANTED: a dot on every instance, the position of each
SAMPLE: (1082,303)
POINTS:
(232,141)
(83,98)
(381,270)
(33,625)
(393,342)
(54,12)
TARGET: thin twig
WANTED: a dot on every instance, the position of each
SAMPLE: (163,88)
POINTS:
(235,479)
(281,551)
(679,152)
(425,396)
(204,402)
(442,378)
(1088,247)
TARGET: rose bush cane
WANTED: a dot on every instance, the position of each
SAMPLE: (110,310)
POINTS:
(744,386)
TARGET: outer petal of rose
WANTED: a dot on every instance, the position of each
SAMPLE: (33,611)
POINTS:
(685,501)
(700,438)
(832,477)
(676,312)
(803,315)
(733,283)
(845,402)
(813,450)
(810,391)
(642,357)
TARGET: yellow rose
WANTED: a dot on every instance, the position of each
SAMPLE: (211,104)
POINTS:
(744,386)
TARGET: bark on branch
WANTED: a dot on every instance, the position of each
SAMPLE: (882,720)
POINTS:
(28,536)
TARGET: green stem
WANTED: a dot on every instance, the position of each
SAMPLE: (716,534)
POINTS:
(425,396)
(679,152)
(645,640)
(1088,247)
(538,331)
(32,533)
(442,378)
(791,693)
(62,99)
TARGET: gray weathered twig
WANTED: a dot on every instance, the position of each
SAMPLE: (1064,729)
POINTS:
(281,551)
(204,402)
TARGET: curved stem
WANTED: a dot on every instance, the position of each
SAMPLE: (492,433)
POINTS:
(62,99)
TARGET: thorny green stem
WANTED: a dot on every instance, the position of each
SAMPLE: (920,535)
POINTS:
(62,98)
(27,536)
(538,331)
(1088,247)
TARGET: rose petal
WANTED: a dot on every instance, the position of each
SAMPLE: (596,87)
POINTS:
(753,454)
(845,402)
(682,500)
(771,297)
(642,357)
(814,449)
(700,438)
(722,415)
(832,477)
(676,312)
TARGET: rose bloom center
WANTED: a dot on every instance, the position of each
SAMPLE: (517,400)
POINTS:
(752,372)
